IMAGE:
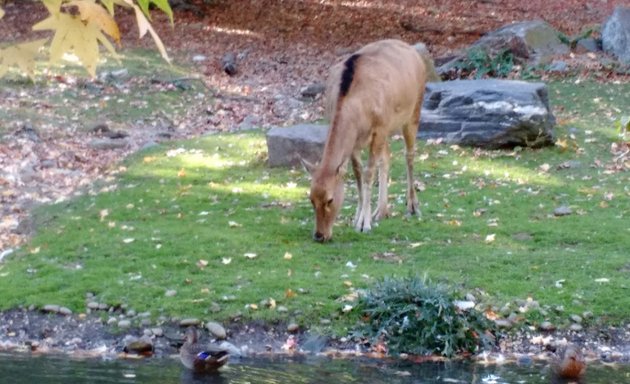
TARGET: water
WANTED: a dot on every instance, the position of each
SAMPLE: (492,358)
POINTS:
(21,369)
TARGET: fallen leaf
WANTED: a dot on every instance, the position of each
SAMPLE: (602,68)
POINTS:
(250,255)
(234,224)
(288,256)
(602,280)
(202,263)
(490,238)
(128,240)
(226,260)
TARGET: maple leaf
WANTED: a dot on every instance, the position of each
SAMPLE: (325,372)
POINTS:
(94,13)
(144,26)
(22,55)
(74,35)
(161,4)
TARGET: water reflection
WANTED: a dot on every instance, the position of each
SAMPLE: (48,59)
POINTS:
(22,369)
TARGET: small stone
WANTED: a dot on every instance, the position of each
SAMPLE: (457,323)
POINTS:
(65,311)
(189,322)
(93,305)
(147,332)
(547,326)
(558,66)
(157,332)
(215,307)
(587,315)
(138,346)
(170,293)
(313,90)
(325,322)
(562,211)
(216,330)
(130,312)
(503,323)
(293,328)
(559,308)
(112,321)
(576,319)
(575,327)
(145,322)
(51,308)
(124,323)
(282,309)
(232,349)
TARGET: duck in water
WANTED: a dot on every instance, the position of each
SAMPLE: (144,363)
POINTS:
(201,358)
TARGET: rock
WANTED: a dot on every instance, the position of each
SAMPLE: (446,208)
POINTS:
(616,34)
(503,323)
(140,346)
(587,45)
(65,311)
(293,328)
(558,66)
(487,113)
(531,42)
(124,323)
(282,309)
(575,327)
(216,330)
(215,307)
(51,308)
(576,319)
(106,144)
(313,90)
(228,64)
(189,322)
(562,211)
(93,305)
(287,145)
(547,326)
(232,349)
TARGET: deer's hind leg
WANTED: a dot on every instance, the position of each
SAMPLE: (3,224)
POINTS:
(410,131)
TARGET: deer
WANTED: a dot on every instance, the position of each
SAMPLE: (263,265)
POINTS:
(370,95)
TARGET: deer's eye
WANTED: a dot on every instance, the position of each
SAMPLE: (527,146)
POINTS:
(329,202)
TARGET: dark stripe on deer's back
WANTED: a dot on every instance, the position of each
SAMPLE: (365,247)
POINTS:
(348,74)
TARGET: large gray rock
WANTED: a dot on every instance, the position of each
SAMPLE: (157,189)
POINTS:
(530,42)
(616,34)
(287,145)
(488,113)
(482,113)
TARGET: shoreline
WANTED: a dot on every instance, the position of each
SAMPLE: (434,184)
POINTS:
(88,336)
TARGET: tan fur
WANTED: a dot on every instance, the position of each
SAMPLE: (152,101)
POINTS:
(385,95)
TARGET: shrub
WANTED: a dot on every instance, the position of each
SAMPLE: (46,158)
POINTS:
(480,63)
(415,316)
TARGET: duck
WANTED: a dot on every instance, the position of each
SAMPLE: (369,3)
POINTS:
(572,366)
(201,358)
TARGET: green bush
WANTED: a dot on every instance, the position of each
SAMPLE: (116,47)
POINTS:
(480,63)
(418,317)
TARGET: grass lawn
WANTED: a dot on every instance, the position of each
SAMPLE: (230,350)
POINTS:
(208,219)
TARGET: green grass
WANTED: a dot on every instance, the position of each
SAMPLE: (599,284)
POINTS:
(214,199)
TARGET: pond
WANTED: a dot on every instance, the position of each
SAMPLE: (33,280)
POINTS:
(23,368)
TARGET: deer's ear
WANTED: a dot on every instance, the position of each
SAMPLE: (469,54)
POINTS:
(308,166)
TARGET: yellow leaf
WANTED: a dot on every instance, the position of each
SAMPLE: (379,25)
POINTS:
(144,26)
(97,15)
(1,13)
(21,55)
(73,35)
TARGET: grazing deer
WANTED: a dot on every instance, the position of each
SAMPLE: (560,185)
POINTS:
(370,95)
